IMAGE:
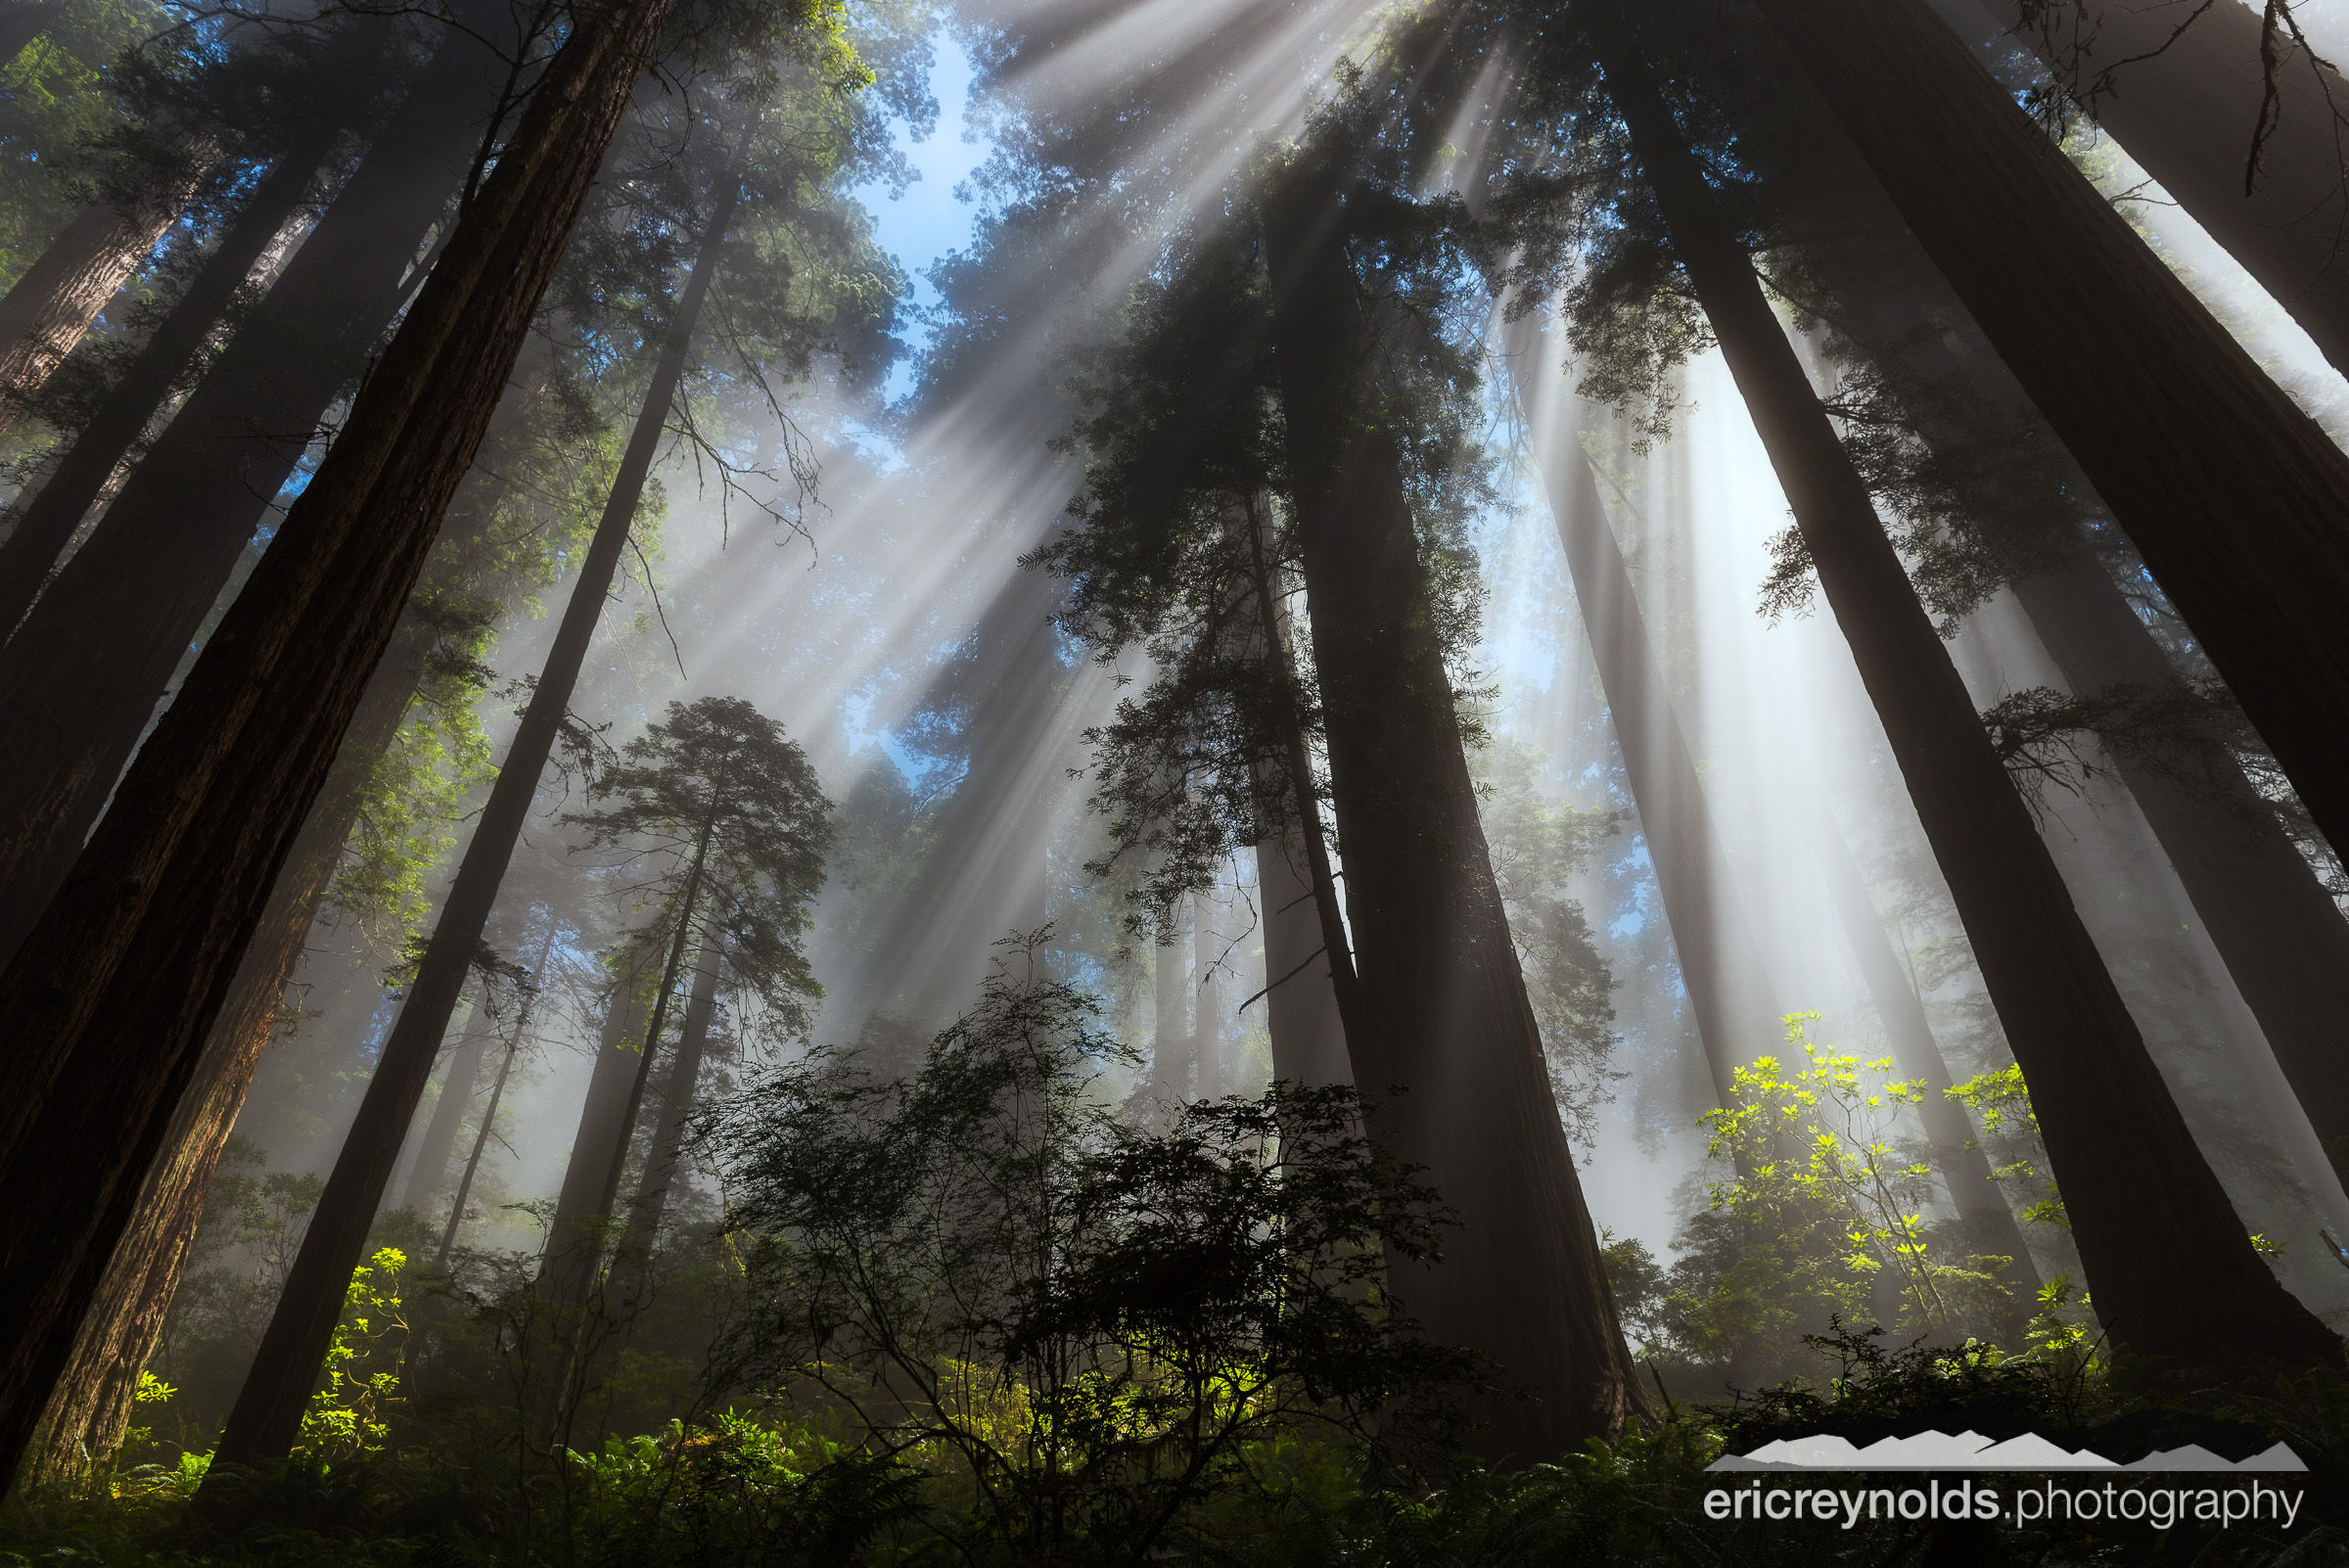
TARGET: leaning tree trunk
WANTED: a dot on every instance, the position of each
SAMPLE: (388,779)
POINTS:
(2141,1199)
(80,679)
(111,997)
(1738,1016)
(448,1113)
(91,1406)
(2236,500)
(45,523)
(1957,1152)
(268,1412)
(1443,997)
(574,1241)
(2186,111)
(2268,915)
(497,1092)
(684,1080)
(2278,930)
(59,295)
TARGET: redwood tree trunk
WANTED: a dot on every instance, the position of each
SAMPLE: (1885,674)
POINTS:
(2141,1199)
(2278,930)
(1443,997)
(59,295)
(2185,113)
(1309,1038)
(1171,1023)
(1207,1027)
(111,996)
(46,522)
(1737,1015)
(448,1114)
(1957,1152)
(90,1407)
(2236,500)
(81,678)
(576,1240)
(684,1079)
(1314,996)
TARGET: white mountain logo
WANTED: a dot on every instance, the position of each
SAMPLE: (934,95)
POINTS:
(1971,1450)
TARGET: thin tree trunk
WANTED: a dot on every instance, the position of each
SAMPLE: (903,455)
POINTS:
(576,1240)
(497,1092)
(1170,1032)
(112,995)
(2184,112)
(82,676)
(684,1079)
(608,1197)
(2236,500)
(448,1115)
(1737,1013)
(1207,1033)
(46,522)
(2141,1197)
(481,1141)
(54,302)
(1957,1152)
(1313,997)
(23,20)
(1444,1000)
(269,1409)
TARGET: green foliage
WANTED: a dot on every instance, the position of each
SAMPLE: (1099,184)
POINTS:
(56,103)
(351,1415)
(1825,1219)
(1085,1329)
(716,819)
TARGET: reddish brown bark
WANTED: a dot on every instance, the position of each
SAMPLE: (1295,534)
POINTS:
(2233,497)
(83,673)
(59,295)
(91,1405)
(1443,999)
(47,521)
(112,997)
(2141,1197)
(268,1412)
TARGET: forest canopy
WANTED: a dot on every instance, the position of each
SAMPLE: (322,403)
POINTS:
(868,781)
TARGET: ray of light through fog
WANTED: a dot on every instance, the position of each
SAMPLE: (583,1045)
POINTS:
(906,572)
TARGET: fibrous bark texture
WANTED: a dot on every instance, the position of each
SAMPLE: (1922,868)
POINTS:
(58,296)
(2137,1190)
(269,1409)
(112,995)
(2236,500)
(85,669)
(1443,999)
(46,521)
